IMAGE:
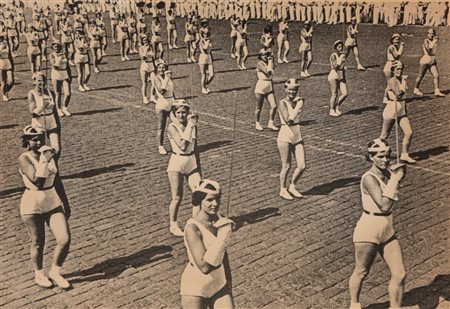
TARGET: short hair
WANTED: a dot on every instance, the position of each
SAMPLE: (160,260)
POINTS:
(199,196)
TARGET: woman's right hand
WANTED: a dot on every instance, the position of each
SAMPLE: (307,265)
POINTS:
(193,118)
(224,232)
(398,171)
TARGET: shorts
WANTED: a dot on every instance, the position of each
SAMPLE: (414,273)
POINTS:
(188,38)
(33,51)
(39,202)
(50,122)
(264,87)
(428,60)
(205,59)
(350,42)
(59,74)
(389,111)
(164,104)
(122,36)
(95,44)
(290,134)
(233,34)
(156,39)
(338,75)
(147,67)
(5,64)
(240,43)
(305,47)
(81,58)
(374,229)
(182,164)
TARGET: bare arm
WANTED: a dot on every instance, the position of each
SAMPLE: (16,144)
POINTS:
(372,186)
(28,170)
(198,250)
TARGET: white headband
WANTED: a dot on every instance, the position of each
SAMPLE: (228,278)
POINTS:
(202,187)
(379,146)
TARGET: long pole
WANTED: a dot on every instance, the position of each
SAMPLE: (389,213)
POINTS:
(232,154)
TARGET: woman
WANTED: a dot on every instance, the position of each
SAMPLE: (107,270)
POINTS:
(156,38)
(205,61)
(147,70)
(267,41)
(132,30)
(241,44)
(189,39)
(395,110)
(6,67)
(306,48)
(234,23)
(171,30)
(352,44)
(13,34)
(114,17)
(428,62)
(283,40)
(123,37)
(183,163)
(290,139)
(39,27)
(67,36)
(374,231)
(394,52)
(163,86)
(206,280)
(40,205)
(100,22)
(264,89)
(41,105)
(336,78)
(95,44)
(141,26)
(61,78)
(33,50)
(82,61)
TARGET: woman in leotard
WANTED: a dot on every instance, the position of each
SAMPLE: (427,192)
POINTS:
(6,68)
(336,78)
(351,42)
(205,61)
(147,69)
(241,44)
(61,78)
(306,48)
(283,40)
(394,52)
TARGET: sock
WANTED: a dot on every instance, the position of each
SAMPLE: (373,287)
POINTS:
(55,269)
(39,273)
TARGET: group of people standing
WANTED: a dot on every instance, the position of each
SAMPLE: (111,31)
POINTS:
(206,280)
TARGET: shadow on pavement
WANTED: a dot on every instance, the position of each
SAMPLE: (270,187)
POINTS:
(327,188)
(256,216)
(422,98)
(8,126)
(359,111)
(119,70)
(114,267)
(98,171)
(97,111)
(213,145)
(233,70)
(307,122)
(425,297)
(229,90)
(112,87)
(426,154)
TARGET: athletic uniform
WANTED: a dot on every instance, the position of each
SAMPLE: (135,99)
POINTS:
(429,58)
(205,53)
(394,86)
(193,281)
(393,55)
(290,133)
(264,72)
(164,101)
(351,36)
(49,123)
(59,69)
(306,40)
(81,51)
(147,59)
(5,60)
(183,162)
(374,226)
(337,67)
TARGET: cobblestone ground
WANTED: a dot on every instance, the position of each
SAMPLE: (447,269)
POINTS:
(284,254)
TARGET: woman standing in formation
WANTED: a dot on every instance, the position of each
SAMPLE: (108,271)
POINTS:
(428,62)
(156,39)
(165,96)
(132,32)
(290,139)
(189,39)
(205,61)
(123,37)
(374,231)
(264,89)
(283,40)
(206,280)
(40,205)
(336,78)
(61,78)
(114,17)
(395,110)
(95,40)
(241,44)
(33,50)
(13,34)
(82,61)
(267,40)
(351,42)
(306,48)
(234,23)
(171,30)
(100,22)
(184,161)
(147,70)
(67,36)
(6,67)
(394,52)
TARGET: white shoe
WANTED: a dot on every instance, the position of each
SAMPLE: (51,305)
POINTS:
(438,93)
(233,56)
(146,101)
(152,98)
(43,281)
(176,46)
(86,88)
(280,61)
(126,58)
(285,194)
(96,70)
(59,280)
(405,157)
(205,91)
(293,191)
(161,150)
(5,98)
(209,90)
(170,47)
(303,74)
(307,73)
(81,89)
(122,58)
(66,111)
(193,59)
(285,60)
(271,126)
(104,54)
(361,68)
(189,60)
(243,67)
(417,92)
(258,127)
(175,230)
(338,112)
(333,113)
(60,113)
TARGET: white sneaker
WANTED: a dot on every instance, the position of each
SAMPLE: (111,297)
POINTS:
(285,194)
(293,191)
(438,93)
(96,70)
(417,92)
(175,46)
(193,59)
(361,68)
(66,111)
(303,74)
(161,150)
(307,73)
(146,101)
(126,58)
(43,281)
(333,113)
(5,98)
(405,157)
(170,47)
(258,127)
(243,67)
(189,60)
(280,61)
(271,126)
(86,88)
(123,58)
(175,230)
(205,91)
(104,54)
(59,280)
(338,112)
(60,113)
(285,60)
(81,89)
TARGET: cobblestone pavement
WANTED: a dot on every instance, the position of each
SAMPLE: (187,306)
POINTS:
(284,254)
